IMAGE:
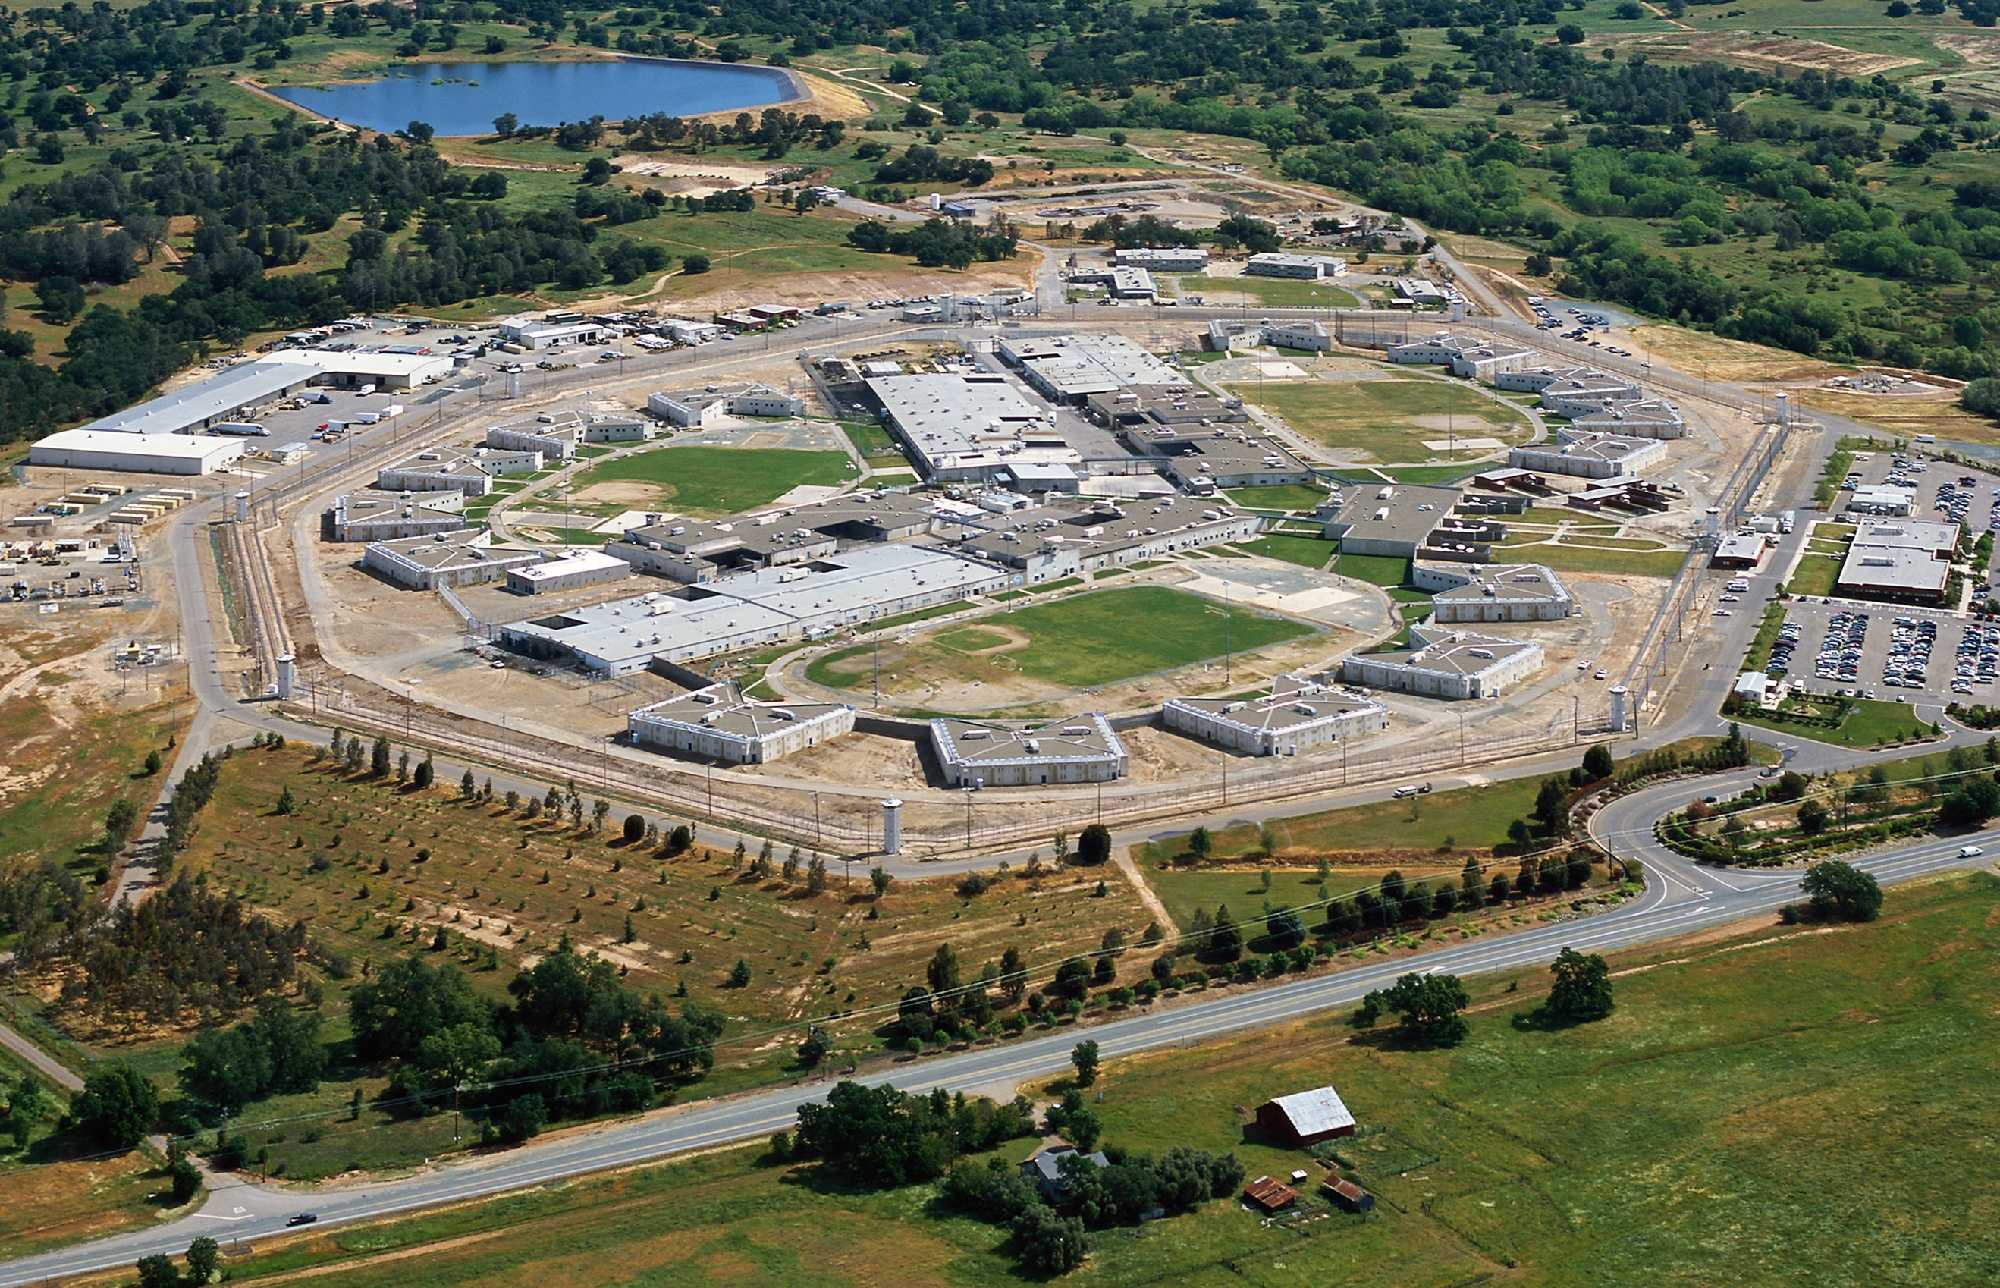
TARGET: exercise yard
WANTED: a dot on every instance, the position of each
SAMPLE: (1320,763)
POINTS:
(1045,650)
(708,480)
(1392,418)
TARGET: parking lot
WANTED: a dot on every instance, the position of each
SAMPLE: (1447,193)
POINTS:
(1946,493)
(1897,654)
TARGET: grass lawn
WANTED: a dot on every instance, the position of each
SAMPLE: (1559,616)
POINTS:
(1307,552)
(1279,496)
(874,444)
(1388,419)
(1870,723)
(1276,292)
(1767,635)
(1815,575)
(720,480)
(1079,642)
(1703,1069)
(1633,563)
(1184,890)
(1379,570)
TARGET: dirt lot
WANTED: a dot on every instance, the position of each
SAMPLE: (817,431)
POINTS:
(1783,53)
(1720,359)
(1937,412)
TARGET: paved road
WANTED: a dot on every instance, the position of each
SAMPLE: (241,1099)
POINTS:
(1679,899)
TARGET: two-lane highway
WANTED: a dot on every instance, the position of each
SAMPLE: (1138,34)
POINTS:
(1679,899)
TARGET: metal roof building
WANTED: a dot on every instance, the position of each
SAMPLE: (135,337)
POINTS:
(1520,592)
(463,558)
(1075,749)
(1455,665)
(1305,1117)
(964,428)
(134,453)
(222,396)
(1070,368)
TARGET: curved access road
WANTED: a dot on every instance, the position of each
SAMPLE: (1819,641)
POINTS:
(1679,899)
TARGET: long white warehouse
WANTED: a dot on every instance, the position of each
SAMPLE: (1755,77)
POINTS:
(97,449)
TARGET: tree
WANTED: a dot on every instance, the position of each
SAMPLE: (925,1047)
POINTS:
(739,974)
(1834,888)
(118,821)
(286,804)
(378,758)
(454,1057)
(1200,843)
(814,1048)
(1791,786)
(1582,989)
(1570,34)
(426,773)
(27,1105)
(1597,763)
(1093,845)
(1970,804)
(1225,938)
(879,880)
(184,1177)
(634,828)
(694,264)
(1552,807)
(503,124)
(203,1257)
(408,999)
(1084,1056)
(1814,816)
(116,1107)
(157,1271)
(1048,1243)
(467,789)
(1427,1009)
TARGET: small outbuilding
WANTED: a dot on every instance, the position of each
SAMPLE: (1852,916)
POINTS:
(1268,1194)
(1305,1117)
(1348,1196)
(1044,1169)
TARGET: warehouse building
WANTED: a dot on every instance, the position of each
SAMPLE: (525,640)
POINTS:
(467,557)
(1493,592)
(1422,293)
(135,453)
(1144,406)
(385,369)
(1306,267)
(1453,664)
(751,610)
(229,394)
(1070,368)
(1589,456)
(571,572)
(1168,259)
(967,429)
(1472,359)
(1076,749)
(707,408)
(534,333)
(1298,712)
(719,723)
(371,515)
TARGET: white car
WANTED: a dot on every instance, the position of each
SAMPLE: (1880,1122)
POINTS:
(1969,851)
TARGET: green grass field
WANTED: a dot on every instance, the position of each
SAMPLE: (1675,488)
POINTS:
(874,444)
(1078,642)
(1653,562)
(1869,723)
(1274,292)
(1814,575)
(1697,1135)
(1379,570)
(1390,419)
(719,480)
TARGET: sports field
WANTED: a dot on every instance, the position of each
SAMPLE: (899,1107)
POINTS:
(1391,419)
(1074,643)
(708,480)
(1697,1134)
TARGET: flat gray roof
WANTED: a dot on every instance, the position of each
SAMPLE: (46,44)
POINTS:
(944,416)
(1394,511)
(1294,703)
(453,551)
(1507,583)
(722,708)
(1894,569)
(1073,738)
(210,398)
(1077,366)
(1454,652)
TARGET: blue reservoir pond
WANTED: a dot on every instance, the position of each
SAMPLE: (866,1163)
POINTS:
(463,98)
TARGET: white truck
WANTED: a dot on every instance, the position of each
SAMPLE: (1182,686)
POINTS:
(241,428)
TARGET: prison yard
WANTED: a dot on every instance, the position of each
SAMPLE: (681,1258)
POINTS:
(1388,417)
(705,480)
(1037,651)
(1464,1163)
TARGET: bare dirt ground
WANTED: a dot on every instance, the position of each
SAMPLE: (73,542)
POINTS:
(1782,52)
(855,758)
(1715,358)
(371,618)
(723,289)
(1934,412)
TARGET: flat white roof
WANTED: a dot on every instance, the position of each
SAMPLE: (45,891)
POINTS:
(210,398)
(361,362)
(569,565)
(164,446)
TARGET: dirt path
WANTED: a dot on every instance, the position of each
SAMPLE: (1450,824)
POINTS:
(1122,856)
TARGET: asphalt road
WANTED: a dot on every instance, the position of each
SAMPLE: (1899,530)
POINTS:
(1679,899)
